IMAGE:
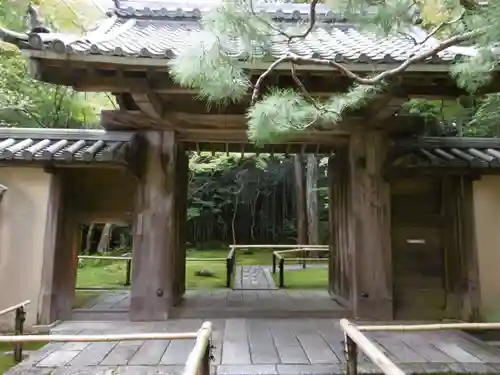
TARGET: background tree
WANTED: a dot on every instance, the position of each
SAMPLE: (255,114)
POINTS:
(27,102)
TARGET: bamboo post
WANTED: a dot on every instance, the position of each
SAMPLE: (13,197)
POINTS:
(282,272)
(19,330)
(198,361)
(205,361)
(351,354)
(370,349)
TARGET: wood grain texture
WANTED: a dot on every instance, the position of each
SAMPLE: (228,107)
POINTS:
(370,226)
(155,239)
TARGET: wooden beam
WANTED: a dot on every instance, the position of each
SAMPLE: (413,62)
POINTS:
(121,120)
(150,104)
(436,85)
(286,148)
(386,107)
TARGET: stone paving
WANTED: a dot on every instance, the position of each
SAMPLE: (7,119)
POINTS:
(255,346)
(226,303)
(253,278)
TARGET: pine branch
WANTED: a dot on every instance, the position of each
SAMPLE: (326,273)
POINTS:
(441,25)
(299,60)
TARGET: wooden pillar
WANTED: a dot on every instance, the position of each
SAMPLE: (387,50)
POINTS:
(155,238)
(181,190)
(462,273)
(340,269)
(370,226)
(60,254)
(300,199)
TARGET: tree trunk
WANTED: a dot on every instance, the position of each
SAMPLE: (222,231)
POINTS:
(300,200)
(105,240)
(312,178)
(88,241)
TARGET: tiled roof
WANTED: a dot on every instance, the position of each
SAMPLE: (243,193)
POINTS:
(161,29)
(63,145)
(452,152)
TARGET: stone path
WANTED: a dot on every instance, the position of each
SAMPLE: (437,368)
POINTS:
(253,278)
(260,277)
(255,346)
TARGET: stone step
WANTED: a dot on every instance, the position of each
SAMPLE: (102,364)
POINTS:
(241,313)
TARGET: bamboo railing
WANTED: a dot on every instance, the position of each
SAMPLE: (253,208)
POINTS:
(354,339)
(231,256)
(279,258)
(19,319)
(198,362)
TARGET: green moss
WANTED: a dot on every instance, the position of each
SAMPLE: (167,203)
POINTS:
(111,274)
(7,360)
(309,278)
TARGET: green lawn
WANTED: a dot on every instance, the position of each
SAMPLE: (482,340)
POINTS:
(111,274)
(309,278)
(7,360)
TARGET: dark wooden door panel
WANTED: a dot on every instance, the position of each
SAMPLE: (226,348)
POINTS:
(419,286)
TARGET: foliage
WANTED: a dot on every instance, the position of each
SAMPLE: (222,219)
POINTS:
(27,102)
(220,77)
(254,196)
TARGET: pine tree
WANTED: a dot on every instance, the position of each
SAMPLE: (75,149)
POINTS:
(221,78)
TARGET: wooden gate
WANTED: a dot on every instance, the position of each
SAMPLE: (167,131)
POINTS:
(419,271)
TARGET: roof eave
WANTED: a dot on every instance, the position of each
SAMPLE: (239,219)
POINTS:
(261,65)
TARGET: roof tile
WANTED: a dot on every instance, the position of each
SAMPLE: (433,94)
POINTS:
(62,145)
(158,29)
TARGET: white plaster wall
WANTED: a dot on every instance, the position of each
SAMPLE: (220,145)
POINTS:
(23,214)
(487,225)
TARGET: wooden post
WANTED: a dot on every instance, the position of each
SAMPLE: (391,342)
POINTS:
(340,273)
(60,252)
(127,274)
(19,330)
(370,223)
(228,272)
(155,238)
(274,263)
(181,195)
(282,272)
